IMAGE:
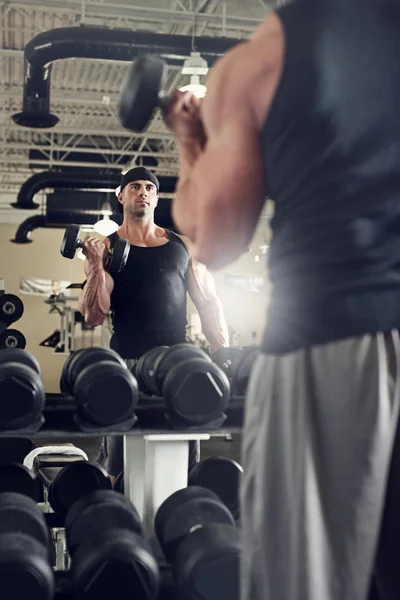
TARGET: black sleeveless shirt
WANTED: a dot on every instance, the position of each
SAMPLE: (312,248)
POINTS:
(331,147)
(148,302)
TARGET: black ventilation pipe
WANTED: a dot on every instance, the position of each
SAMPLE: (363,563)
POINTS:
(77,180)
(23,233)
(98,43)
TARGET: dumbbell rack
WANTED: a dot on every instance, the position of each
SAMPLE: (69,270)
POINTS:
(155,458)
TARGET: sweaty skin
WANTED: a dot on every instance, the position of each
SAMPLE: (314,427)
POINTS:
(139,199)
(221,188)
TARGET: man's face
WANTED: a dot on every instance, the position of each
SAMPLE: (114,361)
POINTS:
(139,198)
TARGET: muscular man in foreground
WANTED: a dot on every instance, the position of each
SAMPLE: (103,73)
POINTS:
(307,112)
(148,298)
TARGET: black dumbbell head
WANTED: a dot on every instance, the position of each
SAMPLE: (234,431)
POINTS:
(23,396)
(15,477)
(97,511)
(173,356)
(196,392)
(118,256)
(21,513)
(70,241)
(25,570)
(185,510)
(207,563)
(222,476)
(12,338)
(19,355)
(243,369)
(74,481)
(106,394)
(11,308)
(145,371)
(115,559)
(226,358)
(85,357)
(141,91)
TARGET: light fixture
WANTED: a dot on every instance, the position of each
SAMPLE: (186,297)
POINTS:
(195,66)
(105,226)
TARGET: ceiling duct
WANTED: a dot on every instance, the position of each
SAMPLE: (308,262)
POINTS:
(25,229)
(104,44)
(75,180)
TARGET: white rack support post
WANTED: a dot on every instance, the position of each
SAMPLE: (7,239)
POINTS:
(156,466)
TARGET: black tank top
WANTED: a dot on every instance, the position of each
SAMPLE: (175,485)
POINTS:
(148,302)
(331,147)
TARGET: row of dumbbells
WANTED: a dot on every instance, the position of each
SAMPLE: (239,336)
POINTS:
(105,538)
(109,553)
(11,310)
(67,484)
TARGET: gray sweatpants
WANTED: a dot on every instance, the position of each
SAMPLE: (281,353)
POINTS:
(111,454)
(320,430)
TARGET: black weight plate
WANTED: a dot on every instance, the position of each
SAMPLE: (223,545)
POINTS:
(145,369)
(11,308)
(91,356)
(74,481)
(174,355)
(226,358)
(12,338)
(70,241)
(115,558)
(196,392)
(119,484)
(140,93)
(22,396)
(106,394)
(222,476)
(19,355)
(243,369)
(184,510)
(118,256)
(207,564)
(21,514)
(65,374)
(97,511)
(15,477)
(25,570)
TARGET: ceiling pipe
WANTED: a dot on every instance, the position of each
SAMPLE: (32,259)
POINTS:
(23,233)
(75,180)
(104,44)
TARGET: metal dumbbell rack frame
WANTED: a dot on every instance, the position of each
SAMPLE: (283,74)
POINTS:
(155,456)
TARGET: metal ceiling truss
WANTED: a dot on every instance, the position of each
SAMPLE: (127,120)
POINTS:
(85,92)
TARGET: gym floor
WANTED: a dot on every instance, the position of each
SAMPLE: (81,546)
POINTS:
(216,446)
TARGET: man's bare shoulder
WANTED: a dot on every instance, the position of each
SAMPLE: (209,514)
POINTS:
(248,74)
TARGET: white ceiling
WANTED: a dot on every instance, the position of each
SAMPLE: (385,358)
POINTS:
(84,93)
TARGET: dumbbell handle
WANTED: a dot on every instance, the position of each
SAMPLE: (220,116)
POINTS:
(164,101)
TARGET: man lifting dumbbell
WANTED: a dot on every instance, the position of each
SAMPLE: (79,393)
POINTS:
(309,108)
(148,298)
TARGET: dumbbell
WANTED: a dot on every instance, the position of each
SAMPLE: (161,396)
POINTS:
(142,92)
(21,389)
(195,390)
(11,308)
(74,481)
(227,358)
(25,566)
(108,551)
(198,536)
(105,391)
(15,477)
(117,256)
(222,476)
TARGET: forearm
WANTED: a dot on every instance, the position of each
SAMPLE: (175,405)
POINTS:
(189,152)
(94,301)
(214,325)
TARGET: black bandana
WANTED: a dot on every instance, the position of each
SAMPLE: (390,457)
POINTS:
(136,174)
